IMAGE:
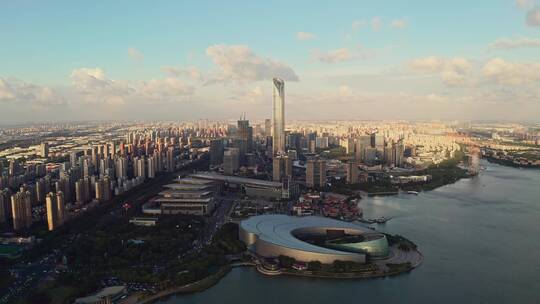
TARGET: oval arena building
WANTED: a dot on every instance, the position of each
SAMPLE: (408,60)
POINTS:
(312,238)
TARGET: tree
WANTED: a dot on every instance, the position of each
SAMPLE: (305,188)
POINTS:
(39,297)
(286,261)
(314,265)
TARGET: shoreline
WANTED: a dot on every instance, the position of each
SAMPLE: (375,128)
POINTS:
(508,163)
(342,276)
(197,286)
(206,283)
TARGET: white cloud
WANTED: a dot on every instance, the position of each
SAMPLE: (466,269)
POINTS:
(509,73)
(376,23)
(453,71)
(135,54)
(398,23)
(333,56)
(239,63)
(357,24)
(191,72)
(514,43)
(90,79)
(163,88)
(533,16)
(524,4)
(31,94)
(305,36)
(6,92)
(255,95)
(95,87)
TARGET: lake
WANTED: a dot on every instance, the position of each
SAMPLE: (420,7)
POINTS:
(480,238)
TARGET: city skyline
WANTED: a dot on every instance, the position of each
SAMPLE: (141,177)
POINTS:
(366,61)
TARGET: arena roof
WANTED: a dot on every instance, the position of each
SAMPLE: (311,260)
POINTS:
(278,230)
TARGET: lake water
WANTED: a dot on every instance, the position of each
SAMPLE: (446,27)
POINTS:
(480,238)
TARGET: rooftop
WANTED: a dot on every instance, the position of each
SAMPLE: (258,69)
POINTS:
(237,180)
(279,229)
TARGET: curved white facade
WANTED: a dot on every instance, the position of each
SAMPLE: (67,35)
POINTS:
(274,235)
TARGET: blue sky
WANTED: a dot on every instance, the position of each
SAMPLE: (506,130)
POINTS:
(419,58)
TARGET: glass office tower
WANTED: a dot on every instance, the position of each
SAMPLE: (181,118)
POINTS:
(278,135)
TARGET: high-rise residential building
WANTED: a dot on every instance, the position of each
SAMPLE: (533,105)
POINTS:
(55,209)
(362,143)
(121,167)
(352,172)
(88,168)
(231,160)
(278,135)
(113,148)
(399,151)
(74,158)
(316,173)
(387,154)
(139,166)
(61,207)
(82,190)
(64,185)
(52,212)
(348,144)
(79,191)
(100,190)
(216,152)
(151,167)
(295,142)
(321,142)
(244,134)
(14,167)
(44,149)
(95,155)
(281,168)
(21,210)
(171,164)
(377,141)
(312,146)
(40,191)
(267,127)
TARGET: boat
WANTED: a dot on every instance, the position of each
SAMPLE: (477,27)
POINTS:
(413,192)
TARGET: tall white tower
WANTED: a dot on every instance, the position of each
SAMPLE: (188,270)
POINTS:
(278,135)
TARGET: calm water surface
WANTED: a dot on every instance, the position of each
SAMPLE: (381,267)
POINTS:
(480,238)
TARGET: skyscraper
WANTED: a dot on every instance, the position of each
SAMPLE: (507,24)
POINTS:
(216,152)
(231,160)
(267,127)
(278,136)
(282,167)
(315,173)
(60,207)
(52,212)
(21,210)
(352,172)
(244,138)
(44,149)
(171,165)
(151,166)
(55,210)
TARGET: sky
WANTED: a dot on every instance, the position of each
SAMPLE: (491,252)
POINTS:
(184,60)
